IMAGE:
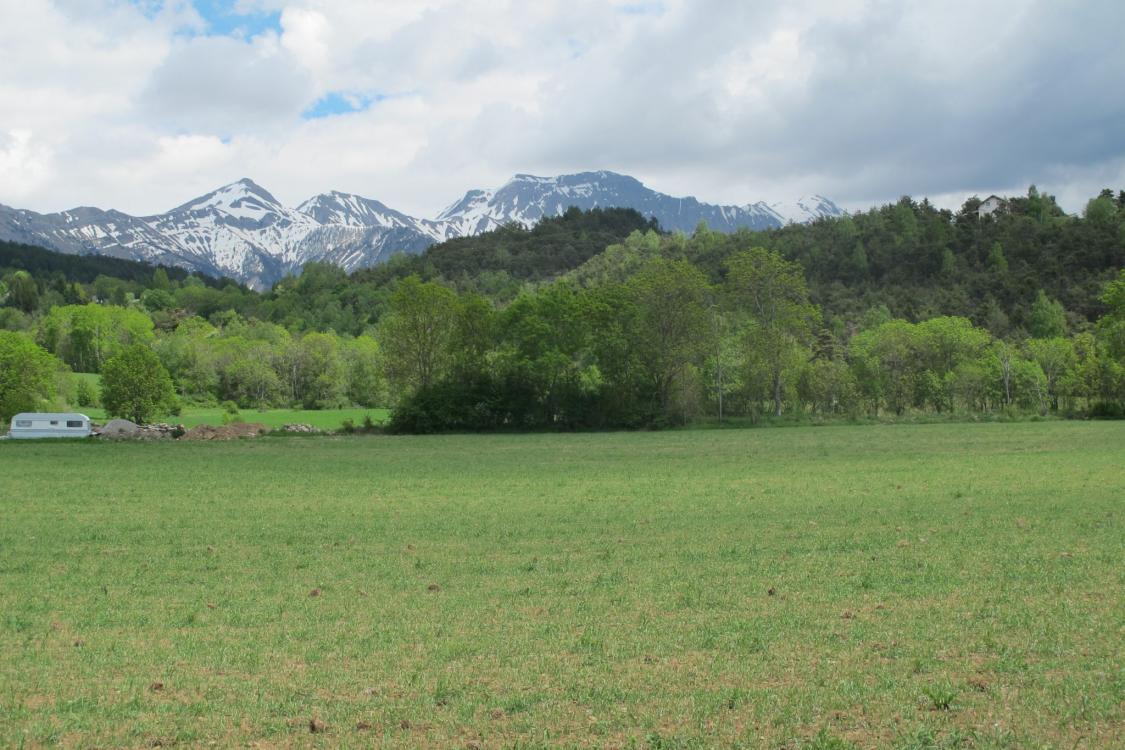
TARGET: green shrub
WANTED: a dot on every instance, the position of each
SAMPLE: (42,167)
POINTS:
(485,402)
(1107,410)
(85,395)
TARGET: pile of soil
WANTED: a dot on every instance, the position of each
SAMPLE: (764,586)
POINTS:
(226,432)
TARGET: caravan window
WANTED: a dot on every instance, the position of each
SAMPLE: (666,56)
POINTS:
(23,423)
(54,423)
(75,423)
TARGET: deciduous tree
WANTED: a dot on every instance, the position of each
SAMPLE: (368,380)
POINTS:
(27,374)
(136,386)
(674,328)
(774,294)
(417,334)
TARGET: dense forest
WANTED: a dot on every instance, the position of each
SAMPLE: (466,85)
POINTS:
(58,270)
(598,319)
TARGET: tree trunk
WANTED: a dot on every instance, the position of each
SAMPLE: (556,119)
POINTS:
(777,393)
(720,394)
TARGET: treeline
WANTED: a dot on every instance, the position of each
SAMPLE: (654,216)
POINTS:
(665,346)
(57,269)
(920,262)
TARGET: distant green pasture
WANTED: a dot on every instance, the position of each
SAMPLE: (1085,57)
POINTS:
(325,419)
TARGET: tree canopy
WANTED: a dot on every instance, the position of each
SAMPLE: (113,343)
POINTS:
(136,386)
(27,374)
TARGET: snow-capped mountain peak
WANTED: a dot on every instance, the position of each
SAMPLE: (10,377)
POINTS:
(349,210)
(471,200)
(526,199)
(472,214)
(242,198)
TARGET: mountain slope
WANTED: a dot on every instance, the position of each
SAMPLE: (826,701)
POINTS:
(239,228)
(86,230)
(526,199)
(242,231)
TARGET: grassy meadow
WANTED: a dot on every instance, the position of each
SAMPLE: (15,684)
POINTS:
(910,586)
(192,416)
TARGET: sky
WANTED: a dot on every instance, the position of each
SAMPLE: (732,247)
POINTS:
(141,105)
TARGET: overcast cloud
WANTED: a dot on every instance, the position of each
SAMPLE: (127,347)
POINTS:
(142,105)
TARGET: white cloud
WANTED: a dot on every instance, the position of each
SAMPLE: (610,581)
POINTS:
(305,34)
(25,165)
(120,104)
(225,86)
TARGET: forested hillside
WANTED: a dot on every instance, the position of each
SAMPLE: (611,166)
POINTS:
(551,247)
(908,260)
(914,261)
(599,319)
(54,268)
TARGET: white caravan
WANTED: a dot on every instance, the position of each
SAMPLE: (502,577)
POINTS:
(43,425)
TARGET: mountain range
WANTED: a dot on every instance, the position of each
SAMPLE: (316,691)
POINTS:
(242,231)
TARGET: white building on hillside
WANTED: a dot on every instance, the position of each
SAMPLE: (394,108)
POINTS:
(991,205)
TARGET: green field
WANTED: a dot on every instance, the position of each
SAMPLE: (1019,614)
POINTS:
(882,586)
(324,419)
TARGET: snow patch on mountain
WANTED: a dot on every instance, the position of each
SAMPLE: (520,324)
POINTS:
(473,214)
(804,210)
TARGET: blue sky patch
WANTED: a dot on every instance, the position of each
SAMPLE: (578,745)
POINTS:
(341,103)
(226,18)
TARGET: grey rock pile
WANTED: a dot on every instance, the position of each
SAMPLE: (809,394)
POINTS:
(306,429)
(123,429)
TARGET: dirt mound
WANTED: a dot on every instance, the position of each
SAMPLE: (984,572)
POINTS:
(226,432)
